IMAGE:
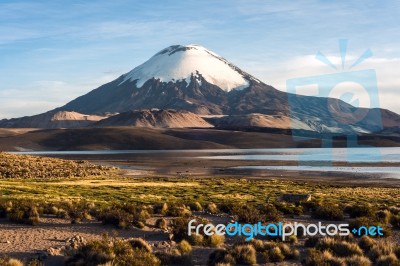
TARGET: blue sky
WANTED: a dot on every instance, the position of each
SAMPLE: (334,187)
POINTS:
(54,51)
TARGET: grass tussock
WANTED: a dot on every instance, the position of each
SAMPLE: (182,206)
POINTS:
(7,261)
(245,254)
(328,212)
(184,247)
(339,247)
(173,256)
(161,223)
(111,251)
(221,257)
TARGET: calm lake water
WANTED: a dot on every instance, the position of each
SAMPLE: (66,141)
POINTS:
(304,157)
(362,155)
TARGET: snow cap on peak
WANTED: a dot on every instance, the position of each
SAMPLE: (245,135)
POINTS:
(180,62)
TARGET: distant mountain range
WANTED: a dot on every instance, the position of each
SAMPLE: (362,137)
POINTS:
(205,90)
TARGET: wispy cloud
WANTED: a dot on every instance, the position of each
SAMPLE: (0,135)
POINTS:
(307,66)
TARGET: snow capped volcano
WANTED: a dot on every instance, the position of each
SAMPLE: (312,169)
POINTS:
(194,79)
(177,62)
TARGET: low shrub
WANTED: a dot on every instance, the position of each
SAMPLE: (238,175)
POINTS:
(246,213)
(161,223)
(270,213)
(244,254)
(180,229)
(221,257)
(139,243)
(34,262)
(5,207)
(184,247)
(116,217)
(7,261)
(258,244)
(161,208)
(338,247)
(397,251)
(111,252)
(174,257)
(212,208)
(24,212)
(139,224)
(383,216)
(387,260)
(77,215)
(215,240)
(328,212)
(360,210)
(180,210)
(310,206)
(274,255)
(289,208)
(381,247)
(395,221)
(366,243)
(394,210)
(288,252)
(125,215)
(293,239)
(357,261)
(196,206)
(196,240)
(316,258)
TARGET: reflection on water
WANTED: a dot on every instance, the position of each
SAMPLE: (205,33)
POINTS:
(367,155)
(392,172)
(371,154)
(304,156)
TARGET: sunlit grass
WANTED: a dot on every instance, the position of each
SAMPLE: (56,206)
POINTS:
(153,190)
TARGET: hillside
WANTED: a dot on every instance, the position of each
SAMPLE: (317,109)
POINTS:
(52,119)
(139,138)
(155,119)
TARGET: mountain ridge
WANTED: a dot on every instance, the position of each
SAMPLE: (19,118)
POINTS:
(184,78)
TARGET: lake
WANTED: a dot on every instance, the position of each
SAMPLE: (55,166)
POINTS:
(302,157)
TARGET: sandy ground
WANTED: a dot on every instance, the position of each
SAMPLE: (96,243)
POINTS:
(25,242)
(22,241)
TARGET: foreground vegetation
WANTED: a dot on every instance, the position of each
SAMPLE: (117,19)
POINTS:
(91,193)
(107,190)
(126,203)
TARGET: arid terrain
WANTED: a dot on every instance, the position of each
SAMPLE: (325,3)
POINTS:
(54,219)
(138,138)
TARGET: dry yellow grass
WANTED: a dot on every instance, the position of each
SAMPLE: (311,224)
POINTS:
(33,167)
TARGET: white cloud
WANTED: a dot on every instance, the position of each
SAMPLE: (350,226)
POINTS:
(307,65)
(45,95)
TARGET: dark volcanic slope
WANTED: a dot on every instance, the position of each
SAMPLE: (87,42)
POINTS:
(129,138)
(125,138)
(209,99)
